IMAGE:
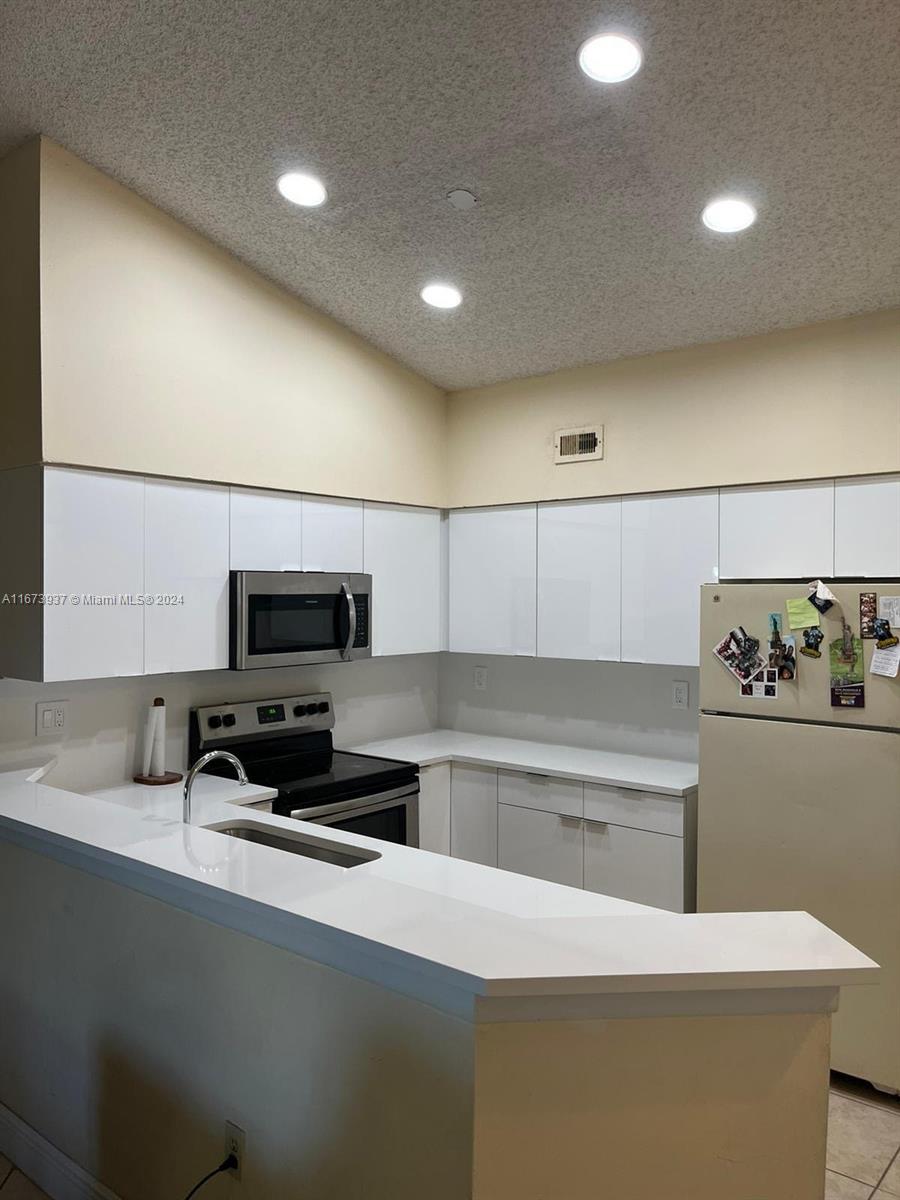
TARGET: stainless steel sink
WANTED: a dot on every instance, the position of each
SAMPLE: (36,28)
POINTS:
(320,849)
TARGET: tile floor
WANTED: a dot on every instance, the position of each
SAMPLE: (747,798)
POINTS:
(863,1148)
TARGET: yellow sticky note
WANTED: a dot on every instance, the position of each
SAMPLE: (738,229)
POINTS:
(802,614)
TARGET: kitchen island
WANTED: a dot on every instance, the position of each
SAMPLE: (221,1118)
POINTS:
(410,1026)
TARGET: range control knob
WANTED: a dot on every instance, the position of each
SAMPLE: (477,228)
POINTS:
(215,721)
(229,719)
(323,707)
(299,710)
(312,709)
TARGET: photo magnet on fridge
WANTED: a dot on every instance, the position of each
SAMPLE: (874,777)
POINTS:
(868,611)
(820,596)
(739,652)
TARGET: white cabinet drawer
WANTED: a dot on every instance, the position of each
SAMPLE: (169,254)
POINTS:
(637,810)
(632,864)
(543,792)
(543,845)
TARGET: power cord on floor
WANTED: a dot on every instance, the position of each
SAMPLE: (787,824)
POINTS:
(227,1165)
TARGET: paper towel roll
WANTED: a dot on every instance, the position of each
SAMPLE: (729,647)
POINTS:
(158,745)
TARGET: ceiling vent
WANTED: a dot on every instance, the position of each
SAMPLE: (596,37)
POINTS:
(584,444)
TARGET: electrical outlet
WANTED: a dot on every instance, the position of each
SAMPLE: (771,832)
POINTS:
(51,718)
(681,693)
(479,678)
(235,1143)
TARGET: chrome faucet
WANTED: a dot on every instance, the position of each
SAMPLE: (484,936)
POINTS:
(198,766)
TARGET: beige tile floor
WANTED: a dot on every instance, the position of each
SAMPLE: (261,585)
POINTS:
(863,1148)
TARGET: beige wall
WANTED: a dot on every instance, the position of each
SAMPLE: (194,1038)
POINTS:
(813,402)
(165,355)
(20,344)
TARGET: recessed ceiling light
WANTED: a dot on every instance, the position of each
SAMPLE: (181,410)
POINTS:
(441,295)
(610,57)
(728,214)
(302,189)
(462,199)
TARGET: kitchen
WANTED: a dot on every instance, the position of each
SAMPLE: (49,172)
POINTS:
(529,631)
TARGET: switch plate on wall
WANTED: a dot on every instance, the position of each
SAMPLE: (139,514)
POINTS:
(681,693)
(51,718)
(479,679)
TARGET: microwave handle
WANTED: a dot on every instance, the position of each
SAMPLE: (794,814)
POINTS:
(351,612)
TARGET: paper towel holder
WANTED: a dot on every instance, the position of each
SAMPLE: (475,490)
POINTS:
(166,776)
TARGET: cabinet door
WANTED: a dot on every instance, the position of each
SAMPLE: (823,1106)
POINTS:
(493,580)
(265,531)
(186,555)
(780,531)
(669,548)
(867,527)
(473,814)
(579,579)
(332,534)
(544,845)
(633,864)
(93,546)
(403,555)
(434,808)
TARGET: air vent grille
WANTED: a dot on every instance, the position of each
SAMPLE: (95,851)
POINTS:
(584,444)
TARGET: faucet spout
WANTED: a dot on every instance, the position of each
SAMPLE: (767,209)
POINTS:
(198,766)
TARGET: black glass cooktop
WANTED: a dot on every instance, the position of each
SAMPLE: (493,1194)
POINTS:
(309,779)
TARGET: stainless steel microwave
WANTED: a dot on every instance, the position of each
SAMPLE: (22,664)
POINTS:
(293,618)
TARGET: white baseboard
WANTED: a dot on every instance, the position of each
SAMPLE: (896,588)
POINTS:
(49,1168)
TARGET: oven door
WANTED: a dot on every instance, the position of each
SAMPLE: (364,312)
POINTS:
(294,618)
(391,816)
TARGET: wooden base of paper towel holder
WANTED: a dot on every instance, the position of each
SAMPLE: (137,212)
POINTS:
(156,780)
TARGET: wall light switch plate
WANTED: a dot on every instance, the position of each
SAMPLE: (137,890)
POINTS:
(681,693)
(51,718)
(479,679)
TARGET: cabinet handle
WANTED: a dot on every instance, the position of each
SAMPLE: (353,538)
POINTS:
(591,821)
(565,819)
(534,775)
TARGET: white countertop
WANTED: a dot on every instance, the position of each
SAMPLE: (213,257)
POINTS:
(667,776)
(455,934)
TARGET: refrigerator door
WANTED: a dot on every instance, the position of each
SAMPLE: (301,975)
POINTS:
(808,697)
(795,816)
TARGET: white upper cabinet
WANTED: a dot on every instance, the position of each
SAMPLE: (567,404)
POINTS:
(93,547)
(867,526)
(780,531)
(265,531)
(579,579)
(403,556)
(493,580)
(332,534)
(186,555)
(669,548)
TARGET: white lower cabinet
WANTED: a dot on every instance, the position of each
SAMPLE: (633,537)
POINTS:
(473,814)
(434,808)
(634,864)
(545,845)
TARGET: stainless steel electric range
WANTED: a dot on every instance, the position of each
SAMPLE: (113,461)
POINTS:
(286,743)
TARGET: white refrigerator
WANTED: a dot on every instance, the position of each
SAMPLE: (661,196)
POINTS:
(799,803)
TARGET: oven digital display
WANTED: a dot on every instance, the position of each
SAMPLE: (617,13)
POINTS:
(268,714)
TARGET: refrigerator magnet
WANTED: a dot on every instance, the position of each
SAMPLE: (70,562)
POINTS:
(812,640)
(820,596)
(738,651)
(868,611)
(881,631)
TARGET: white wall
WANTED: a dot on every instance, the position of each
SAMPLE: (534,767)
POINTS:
(611,706)
(379,697)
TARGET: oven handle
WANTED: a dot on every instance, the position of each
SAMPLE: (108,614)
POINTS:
(327,810)
(351,612)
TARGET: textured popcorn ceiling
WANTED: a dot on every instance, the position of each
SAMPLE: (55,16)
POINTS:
(587,244)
